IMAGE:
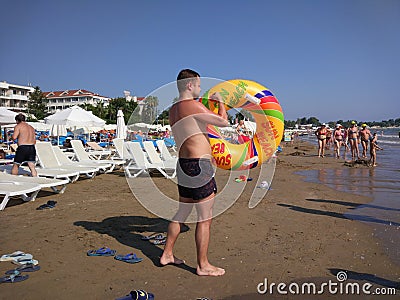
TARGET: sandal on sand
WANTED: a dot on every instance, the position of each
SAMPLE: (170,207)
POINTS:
(138,295)
(15,256)
(13,278)
(25,261)
(102,252)
(154,236)
(24,268)
(129,258)
(158,242)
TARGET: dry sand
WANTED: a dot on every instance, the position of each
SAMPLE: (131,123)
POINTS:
(296,234)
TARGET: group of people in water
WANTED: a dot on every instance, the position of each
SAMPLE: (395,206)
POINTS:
(350,138)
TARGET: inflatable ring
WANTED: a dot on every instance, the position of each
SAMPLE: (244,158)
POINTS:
(267,113)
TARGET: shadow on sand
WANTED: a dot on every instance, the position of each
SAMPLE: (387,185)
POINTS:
(127,230)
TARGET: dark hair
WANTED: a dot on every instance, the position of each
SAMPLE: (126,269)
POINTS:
(184,77)
(20,118)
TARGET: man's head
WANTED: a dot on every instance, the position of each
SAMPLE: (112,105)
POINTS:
(189,81)
(20,118)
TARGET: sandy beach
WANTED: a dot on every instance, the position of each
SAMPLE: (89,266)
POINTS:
(296,234)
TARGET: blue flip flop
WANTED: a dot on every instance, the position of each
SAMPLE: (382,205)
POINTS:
(13,278)
(138,295)
(24,268)
(102,252)
(129,258)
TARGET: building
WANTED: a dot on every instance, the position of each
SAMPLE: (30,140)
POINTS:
(60,100)
(14,96)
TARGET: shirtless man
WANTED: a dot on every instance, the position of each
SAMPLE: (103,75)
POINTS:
(373,147)
(26,151)
(365,136)
(352,134)
(196,184)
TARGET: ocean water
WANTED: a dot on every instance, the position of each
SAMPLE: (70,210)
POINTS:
(382,183)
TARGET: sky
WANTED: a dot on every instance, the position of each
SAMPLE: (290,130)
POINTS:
(329,59)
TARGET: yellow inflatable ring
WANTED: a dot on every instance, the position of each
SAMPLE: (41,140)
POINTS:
(267,113)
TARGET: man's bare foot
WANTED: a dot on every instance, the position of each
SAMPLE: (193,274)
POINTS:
(170,260)
(210,271)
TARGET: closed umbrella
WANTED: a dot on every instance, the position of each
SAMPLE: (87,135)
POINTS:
(58,130)
(121,128)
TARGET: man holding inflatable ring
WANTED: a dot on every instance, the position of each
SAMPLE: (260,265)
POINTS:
(196,184)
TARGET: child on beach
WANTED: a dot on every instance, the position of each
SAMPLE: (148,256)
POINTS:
(373,147)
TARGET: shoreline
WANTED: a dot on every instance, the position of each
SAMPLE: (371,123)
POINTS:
(296,234)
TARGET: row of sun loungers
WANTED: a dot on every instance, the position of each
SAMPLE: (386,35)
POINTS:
(55,169)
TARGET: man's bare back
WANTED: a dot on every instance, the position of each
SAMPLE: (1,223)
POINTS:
(25,134)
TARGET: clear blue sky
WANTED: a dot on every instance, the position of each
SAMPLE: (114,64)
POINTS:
(330,59)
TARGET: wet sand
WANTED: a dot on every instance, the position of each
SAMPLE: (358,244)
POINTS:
(296,234)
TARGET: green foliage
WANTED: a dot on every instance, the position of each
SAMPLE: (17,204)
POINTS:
(37,104)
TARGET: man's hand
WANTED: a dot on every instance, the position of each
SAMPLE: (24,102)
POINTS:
(216,97)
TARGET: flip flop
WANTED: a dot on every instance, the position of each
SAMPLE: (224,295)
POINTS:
(138,295)
(158,242)
(13,278)
(102,252)
(16,255)
(24,268)
(154,236)
(45,206)
(129,258)
(24,261)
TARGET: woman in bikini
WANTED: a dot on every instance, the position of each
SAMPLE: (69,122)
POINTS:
(338,140)
(352,134)
(321,135)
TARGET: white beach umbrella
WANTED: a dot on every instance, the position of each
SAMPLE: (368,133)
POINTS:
(58,130)
(74,116)
(7,116)
(121,128)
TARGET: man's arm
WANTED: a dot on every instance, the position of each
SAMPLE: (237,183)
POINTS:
(204,115)
(16,133)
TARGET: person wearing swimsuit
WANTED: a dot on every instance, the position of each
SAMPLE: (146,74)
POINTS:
(365,135)
(338,140)
(352,134)
(26,151)
(189,119)
(321,135)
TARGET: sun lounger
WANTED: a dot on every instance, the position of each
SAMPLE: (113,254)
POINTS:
(65,161)
(164,152)
(168,165)
(140,163)
(57,185)
(48,159)
(98,151)
(82,156)
(120,149)
(10,189)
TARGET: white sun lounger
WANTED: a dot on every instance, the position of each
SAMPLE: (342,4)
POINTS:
(65,161)
(57,185)
(140,163)
(120,149)
(10,189)
(48,159)
(82,156)
(97,151)
(167,165)
(164,152)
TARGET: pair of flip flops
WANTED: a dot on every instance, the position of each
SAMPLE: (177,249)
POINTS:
(49,204)
(138,295)
(19,258)
(155,238)
(16,276)
(129,258)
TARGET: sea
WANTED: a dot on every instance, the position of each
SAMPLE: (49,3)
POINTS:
(382,183)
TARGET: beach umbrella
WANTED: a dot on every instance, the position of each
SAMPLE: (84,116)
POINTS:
(7,116)
(58,130)
(121,128)
(74,117)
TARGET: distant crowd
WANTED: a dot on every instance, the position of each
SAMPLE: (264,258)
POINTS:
(349,138)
